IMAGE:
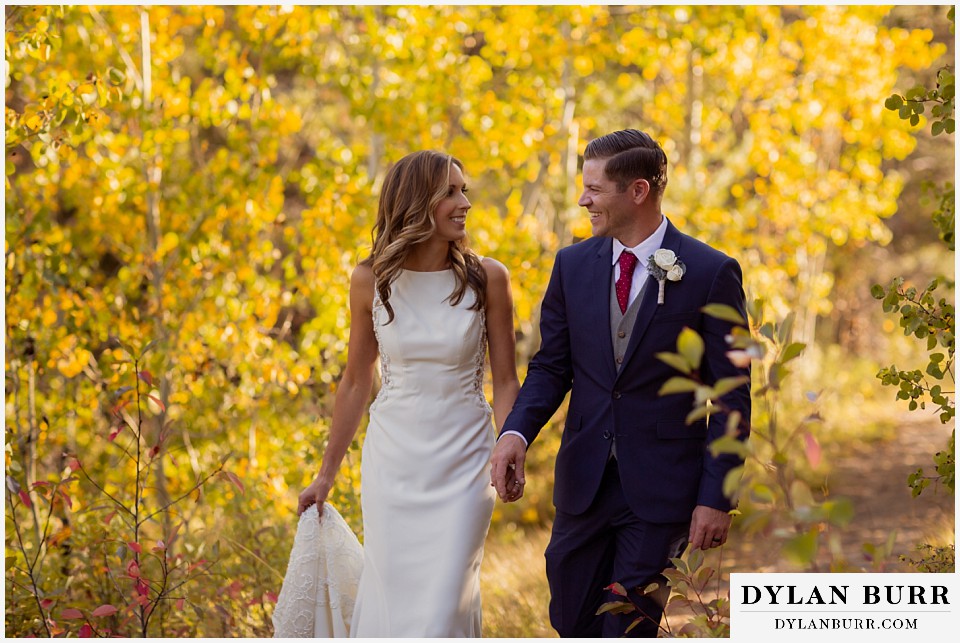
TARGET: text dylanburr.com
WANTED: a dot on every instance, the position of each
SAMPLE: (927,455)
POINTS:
(843,607)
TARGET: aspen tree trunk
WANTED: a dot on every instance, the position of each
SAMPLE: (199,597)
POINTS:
(153,173)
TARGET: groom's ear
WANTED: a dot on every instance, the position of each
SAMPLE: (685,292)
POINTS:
(639,191)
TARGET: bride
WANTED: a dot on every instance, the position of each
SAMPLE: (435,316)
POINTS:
(429,307)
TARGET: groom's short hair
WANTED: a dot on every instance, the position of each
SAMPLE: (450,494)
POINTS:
(631,155)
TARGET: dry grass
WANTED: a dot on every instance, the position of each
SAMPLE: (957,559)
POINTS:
(513,585)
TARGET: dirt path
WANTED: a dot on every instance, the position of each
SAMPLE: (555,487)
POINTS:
(873,476)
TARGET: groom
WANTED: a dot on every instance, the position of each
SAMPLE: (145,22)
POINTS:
(634,483)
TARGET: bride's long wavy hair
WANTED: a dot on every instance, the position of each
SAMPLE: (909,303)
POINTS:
(411,191)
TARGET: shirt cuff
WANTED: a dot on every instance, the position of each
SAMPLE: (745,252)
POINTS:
(519,435)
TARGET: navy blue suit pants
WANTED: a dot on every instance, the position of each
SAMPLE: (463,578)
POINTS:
(605,544)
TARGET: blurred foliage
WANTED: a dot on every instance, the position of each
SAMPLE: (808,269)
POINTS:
(925,314)
(936,560)
(205,177)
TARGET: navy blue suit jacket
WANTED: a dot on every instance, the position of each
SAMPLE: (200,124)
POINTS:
(665,466)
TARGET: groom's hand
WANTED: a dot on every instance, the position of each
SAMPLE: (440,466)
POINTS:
(709,527)
(506,472)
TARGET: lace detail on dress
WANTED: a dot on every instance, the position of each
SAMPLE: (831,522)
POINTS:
(378,310)
(320,586)
(479,359)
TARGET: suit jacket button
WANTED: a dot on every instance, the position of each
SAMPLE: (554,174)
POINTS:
(621,334)
(616,395)
(619,360)
(606,435)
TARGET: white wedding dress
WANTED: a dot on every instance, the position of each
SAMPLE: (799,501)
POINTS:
(425,467)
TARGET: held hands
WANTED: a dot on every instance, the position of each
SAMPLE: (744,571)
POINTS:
(709,527)
(506,472)
(316,494)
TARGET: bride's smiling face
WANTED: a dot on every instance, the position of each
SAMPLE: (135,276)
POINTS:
(451,213)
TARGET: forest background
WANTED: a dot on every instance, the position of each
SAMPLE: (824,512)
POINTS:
(188,188)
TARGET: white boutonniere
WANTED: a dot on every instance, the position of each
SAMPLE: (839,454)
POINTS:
(663,265)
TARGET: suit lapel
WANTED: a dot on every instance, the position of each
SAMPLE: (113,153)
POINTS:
(599,300)
(648,306)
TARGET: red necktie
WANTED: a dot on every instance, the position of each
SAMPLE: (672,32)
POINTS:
(628,262)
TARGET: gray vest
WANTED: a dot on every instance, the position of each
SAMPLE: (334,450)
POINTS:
(621,324)
(621,327)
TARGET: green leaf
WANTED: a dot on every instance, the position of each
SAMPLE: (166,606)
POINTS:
(802,549)
(724,312)
(697,414)
(729,444)
(762,492)
(877,291)
(839,512)
(690,345)
(694,560)
(733,422)
(792,351)
(727,384)
(116,76)
(731,482)
(893,102)
(634,623)
(616,607)
(767,331)
(786,328)
(674,360)
(678,385)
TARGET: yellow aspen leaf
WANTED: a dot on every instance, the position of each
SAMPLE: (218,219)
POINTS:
(49,317)
(169,241)
(300,373)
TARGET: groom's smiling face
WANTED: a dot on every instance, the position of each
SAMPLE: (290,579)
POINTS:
(612,213)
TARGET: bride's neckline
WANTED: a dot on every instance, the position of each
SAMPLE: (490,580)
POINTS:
(426,272)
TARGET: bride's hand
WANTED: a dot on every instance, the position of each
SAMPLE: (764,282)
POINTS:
(316,494)
(506,471)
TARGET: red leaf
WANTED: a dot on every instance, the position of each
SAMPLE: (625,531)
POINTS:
(74,464)
(109,517)
(45,603)
(119,407)
(812,449)
(25,498)
(66,497)
(40,483)
(232,477)
(157,401)
(105,610)
(146,377)
(135,547)
(617,589)
(115,433)
(71,613)
(142,589)
(153,452)
(271,597)
(179,603)
(86,631)
(133,570)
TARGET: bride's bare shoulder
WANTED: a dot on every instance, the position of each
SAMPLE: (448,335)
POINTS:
(362,284)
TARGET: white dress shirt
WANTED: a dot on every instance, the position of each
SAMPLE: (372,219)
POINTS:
(642,251)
